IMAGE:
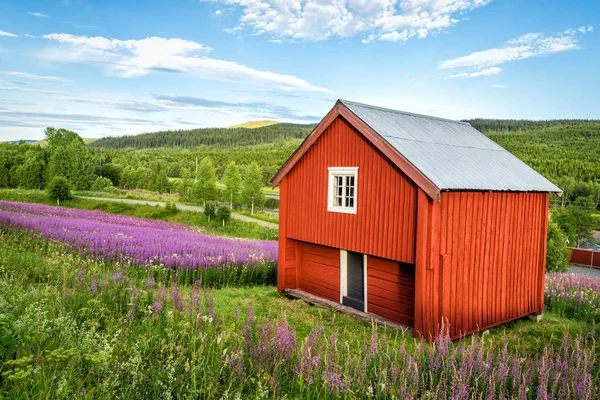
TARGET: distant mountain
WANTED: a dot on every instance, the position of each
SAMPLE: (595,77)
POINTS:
(28,141)
(255,124)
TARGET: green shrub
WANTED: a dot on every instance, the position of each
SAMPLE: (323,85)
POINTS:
(223,214)
(102,184)
(209,210)
(557,253)
(59,189)
(171,208)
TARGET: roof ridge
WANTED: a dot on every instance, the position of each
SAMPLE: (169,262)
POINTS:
(403,112)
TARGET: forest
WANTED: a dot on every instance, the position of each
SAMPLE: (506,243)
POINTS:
(565,151)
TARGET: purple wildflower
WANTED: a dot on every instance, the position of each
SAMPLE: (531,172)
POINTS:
(94,285)
(157,307)
(150,283)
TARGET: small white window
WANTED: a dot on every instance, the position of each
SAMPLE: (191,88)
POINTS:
(342,189)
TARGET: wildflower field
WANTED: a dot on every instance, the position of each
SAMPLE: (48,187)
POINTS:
(81,320)
(154,246)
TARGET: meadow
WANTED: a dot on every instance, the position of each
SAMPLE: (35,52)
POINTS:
(233,228)
(84,314)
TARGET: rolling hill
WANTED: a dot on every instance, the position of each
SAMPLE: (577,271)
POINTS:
(255,124)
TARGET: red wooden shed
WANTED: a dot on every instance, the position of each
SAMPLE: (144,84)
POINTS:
(414,218)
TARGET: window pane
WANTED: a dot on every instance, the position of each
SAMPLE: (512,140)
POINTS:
(350,181)
(351,202)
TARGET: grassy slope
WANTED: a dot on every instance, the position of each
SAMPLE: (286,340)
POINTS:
(255,124)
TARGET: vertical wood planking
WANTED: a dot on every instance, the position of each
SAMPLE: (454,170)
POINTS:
(498,246)
(381,187)
(282,243)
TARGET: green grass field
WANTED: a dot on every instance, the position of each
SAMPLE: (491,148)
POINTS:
(72,326)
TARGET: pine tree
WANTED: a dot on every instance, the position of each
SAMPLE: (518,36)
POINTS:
(233,182)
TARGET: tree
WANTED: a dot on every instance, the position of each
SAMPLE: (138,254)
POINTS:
(59,189)
(102,184)
(30,175)
(186,183)
(567,184)
(557,253)
(110,171)
(70,158)
(209,210)
(205,188)
(252,187)
(223,214)
(576,220)
(233,182)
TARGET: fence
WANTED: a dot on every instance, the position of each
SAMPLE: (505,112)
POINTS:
(590,258)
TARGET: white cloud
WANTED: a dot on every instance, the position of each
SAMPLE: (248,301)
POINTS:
(35,77)
(38,14)
(525,46)
(18,89)
(29,36)
(483,72)
(4,33)
(390,20)
(500,86)
(131,58)
(218,12)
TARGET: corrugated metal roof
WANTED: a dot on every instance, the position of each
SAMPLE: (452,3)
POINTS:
(452,154)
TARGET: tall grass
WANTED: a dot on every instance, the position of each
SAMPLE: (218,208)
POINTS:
(74,326)
(573,296)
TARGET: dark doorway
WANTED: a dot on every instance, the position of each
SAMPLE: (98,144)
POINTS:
(355,282)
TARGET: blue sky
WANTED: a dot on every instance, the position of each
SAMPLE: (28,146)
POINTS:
(118,67)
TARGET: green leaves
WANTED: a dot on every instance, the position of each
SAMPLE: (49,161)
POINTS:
(59,189)
(232,179)
(252,187)
(205,188)
(69,157)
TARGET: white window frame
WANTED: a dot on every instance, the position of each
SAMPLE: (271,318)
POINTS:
(344,277)
(342,171)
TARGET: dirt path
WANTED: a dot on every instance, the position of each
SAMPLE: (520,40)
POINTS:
(594,272)
(183,207)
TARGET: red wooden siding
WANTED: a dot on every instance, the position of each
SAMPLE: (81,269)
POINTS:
(591,258)
(480,259)
(384,225)
(391,290)
(320,271)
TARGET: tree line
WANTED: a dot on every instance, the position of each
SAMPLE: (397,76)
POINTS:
(220,138)
(66,163)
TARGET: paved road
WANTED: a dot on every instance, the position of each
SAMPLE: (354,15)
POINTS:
(182,207)
(595,272)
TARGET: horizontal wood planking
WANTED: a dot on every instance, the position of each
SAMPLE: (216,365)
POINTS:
(384,224)
(493,260)
(320,271)
(391,289)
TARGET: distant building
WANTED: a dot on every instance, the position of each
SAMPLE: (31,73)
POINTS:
(414,218)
